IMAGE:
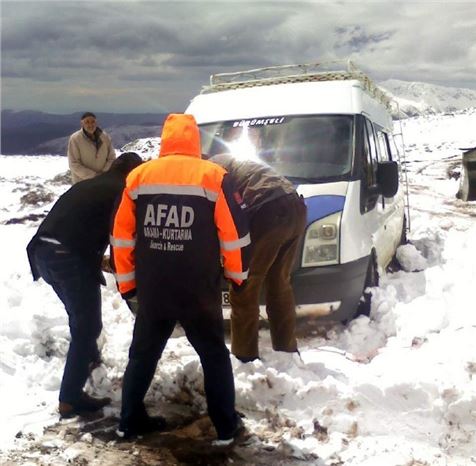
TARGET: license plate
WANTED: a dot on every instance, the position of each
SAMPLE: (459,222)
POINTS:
(225,298)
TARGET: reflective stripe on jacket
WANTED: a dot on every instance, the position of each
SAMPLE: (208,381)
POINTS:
(178,218)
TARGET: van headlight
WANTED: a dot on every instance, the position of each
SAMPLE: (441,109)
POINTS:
(321,243)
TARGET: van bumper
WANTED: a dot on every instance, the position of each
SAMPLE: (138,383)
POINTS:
(330,293)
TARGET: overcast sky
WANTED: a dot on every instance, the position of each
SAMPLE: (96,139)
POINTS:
(154,56)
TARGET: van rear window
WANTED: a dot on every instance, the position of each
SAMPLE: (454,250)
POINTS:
(305,149)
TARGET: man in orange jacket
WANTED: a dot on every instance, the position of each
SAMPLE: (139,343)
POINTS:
(177,220)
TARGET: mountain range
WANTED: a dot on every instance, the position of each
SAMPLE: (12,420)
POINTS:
(32,132)
(417,98)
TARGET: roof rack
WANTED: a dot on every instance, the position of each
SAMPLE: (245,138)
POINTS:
(336,70)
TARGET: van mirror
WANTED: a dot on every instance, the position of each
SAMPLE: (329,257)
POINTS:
(387,178)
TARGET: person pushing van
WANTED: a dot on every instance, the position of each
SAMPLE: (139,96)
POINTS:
(277,216)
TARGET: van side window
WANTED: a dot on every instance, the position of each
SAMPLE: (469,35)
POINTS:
(371,158)
(393,148)
(383,145)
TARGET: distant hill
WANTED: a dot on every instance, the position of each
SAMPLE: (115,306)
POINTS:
(120,135)
(31,132)
(417,98)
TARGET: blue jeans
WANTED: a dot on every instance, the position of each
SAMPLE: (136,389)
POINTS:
(77,286)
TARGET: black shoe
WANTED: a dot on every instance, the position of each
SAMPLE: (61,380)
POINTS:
(225,441)
(85,404)
(245,359)
(145,425)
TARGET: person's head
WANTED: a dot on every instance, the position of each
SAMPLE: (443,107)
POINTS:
(88,122)
(180,135)
(126,162)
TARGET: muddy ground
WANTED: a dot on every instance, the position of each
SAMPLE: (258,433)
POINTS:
(93,442)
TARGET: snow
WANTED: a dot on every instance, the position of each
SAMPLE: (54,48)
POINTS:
(395,389)
(147,148)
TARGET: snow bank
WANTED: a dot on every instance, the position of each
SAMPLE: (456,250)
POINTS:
(398,388)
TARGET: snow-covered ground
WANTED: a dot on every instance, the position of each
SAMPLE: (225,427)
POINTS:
(395,389)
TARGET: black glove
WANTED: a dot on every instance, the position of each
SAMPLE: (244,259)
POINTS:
(129,294)
(237,287)
(131,300)
(106,265)
(133,304)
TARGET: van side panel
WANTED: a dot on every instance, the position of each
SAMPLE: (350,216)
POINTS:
(378,229)
(356,229)
(371,108)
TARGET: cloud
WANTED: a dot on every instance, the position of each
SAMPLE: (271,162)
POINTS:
(355,38)
(173,47)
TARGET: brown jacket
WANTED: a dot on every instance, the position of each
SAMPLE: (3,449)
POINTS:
(256,183)
(86,160)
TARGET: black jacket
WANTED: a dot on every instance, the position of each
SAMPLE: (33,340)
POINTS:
(81,218)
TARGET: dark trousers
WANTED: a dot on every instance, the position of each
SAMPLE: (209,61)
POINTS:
(275,231)
(79,290)
(205,332)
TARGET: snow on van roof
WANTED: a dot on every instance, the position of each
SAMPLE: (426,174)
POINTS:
(324,71)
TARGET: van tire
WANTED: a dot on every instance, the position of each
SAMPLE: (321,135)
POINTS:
(371,280)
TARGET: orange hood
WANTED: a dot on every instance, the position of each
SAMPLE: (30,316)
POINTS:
(180,135)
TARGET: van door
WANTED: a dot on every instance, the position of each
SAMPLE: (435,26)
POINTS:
(374,205)
(395,205)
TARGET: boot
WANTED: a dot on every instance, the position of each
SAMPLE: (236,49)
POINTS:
(245,359)
(85,404)
(143,425)
(227,440)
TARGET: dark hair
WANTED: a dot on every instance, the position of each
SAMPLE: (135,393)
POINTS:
(126,162)
(88,114)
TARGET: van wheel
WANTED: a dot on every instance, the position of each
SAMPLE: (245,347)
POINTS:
(371,280)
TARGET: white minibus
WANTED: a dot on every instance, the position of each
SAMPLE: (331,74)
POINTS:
(329,131)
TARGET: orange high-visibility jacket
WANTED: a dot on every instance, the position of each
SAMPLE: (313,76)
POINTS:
(179,219)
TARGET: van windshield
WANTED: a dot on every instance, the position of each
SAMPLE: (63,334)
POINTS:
(305,149)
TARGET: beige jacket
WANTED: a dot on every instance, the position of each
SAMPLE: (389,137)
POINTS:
(87,161)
